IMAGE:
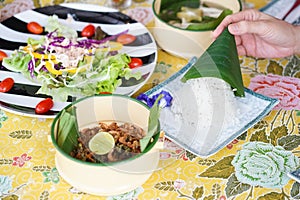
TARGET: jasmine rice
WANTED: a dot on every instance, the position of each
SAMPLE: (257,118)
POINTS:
(201,109)
(205,115)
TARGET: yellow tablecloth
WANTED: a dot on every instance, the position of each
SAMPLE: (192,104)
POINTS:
(27,168)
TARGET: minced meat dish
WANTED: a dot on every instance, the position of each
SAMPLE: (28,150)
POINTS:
(126,138)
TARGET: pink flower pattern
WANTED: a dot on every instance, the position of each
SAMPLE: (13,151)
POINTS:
(141,14)
(178,184)
(20,161)
(168,144)
(284,88)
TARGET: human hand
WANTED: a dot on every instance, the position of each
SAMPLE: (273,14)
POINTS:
(261,35)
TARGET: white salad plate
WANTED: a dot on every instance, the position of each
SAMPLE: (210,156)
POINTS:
(178,122)
(22,99)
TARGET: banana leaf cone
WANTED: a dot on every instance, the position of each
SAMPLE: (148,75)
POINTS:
(220,60)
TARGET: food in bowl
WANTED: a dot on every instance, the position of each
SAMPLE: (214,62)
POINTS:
(182,42)
(104,141)
(99,178)
(193,15)
(108,142)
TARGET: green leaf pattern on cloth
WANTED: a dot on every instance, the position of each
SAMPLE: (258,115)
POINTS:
(3,117)
(260,136)
(262,164)
(198,192)
(289,142)
(295,191)
(222,169)
(272,195)
(5,184)
(235,187)
(277,133)
(51,176)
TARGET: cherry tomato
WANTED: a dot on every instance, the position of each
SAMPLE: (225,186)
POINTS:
(6,84)
(88,31)
(44,106)
(35,28)
(126,38)
(135,62)
(2,55)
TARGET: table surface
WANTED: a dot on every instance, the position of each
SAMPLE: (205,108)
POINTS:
(27,167)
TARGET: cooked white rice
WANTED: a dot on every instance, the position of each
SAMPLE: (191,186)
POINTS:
(202,108)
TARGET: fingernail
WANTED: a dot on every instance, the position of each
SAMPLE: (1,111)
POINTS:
(233,28)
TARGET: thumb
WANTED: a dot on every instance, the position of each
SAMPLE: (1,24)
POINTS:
(243,27)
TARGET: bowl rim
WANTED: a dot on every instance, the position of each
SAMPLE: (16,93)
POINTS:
(181,29)
(66,155)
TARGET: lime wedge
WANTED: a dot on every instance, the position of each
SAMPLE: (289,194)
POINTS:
(102,143)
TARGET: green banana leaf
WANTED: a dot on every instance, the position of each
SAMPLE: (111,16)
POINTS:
(153,124)
(176,5)
(210,24)
(220,60)
(67,130)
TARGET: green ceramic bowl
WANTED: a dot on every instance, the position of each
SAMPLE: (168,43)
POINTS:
(120,177)
(182,42)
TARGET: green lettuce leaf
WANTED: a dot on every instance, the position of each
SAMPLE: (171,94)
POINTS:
(62,29)
(18,62)
(105,76)
(220,60)
(58,94)
(32,41)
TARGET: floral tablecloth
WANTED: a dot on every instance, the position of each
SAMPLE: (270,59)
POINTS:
(252,166)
